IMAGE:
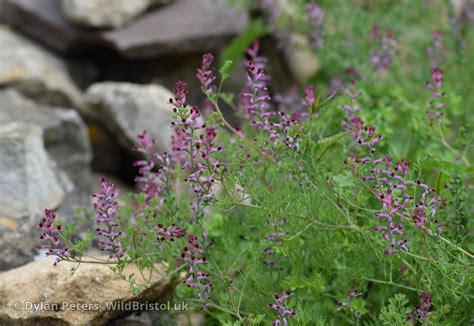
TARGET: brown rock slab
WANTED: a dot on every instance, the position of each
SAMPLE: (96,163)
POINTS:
(40,294)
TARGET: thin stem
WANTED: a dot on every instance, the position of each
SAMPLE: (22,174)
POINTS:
(231,128)
(81,261)
(391,283)
(431,233)
(446,144)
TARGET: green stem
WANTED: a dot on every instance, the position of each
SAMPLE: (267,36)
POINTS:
(391,283)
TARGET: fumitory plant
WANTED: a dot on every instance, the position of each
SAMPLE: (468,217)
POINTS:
(340,205)
(287,218)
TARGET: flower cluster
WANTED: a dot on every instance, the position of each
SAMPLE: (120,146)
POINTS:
(276,238)
(205,73)
(291,102)
(169,233)
(315,15)
(424,307)
(389,181)
(106,207)
(256,101)
(281,307)
(381,57)
(51,237)
(353,293)
(193,256)
(255,96)
(152,183)
(195,144)
(352,121)
(435,112)
(436,50)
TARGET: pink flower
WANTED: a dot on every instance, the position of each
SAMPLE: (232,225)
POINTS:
(205,74)
(106,207)
(51,237)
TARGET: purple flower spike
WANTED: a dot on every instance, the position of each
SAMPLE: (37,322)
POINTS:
(169,233)
(205,74)
(382,56)
(51,237)
(193,256)
(256,97)
(424,307)
(436,51)
(195,147)
(181,92)
(435,111)
(283,310)
(106,207)
(390,184)
(152,183)
(256,100)
(315,16)
(309,95)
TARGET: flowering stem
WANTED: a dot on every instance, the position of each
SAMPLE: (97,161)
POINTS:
(329,226)
(82,261)
(391,283)
(431,233)
(231,128)
(428,231)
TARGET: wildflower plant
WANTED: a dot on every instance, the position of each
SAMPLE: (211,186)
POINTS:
(320,209)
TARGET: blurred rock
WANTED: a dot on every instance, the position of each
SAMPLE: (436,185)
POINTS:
(301,58)
(180,27)
(29,182)
(35,72)
(127,109)
(28,185)
(103,13)
(92,284)
(66,141)
(17,241)
(64,133)
(108,156)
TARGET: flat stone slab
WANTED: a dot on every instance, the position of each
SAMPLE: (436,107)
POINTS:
(93,295)
(180,27)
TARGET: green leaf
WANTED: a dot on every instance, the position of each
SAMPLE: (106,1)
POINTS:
(328,141)
(235,50)
(228,98)
(224,71)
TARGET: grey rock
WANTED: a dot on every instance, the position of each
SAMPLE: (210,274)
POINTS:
(29,182)
(35,72)
(103,13)
(64,133)
(128,109)
(17,241)
(180,27)
(64,136)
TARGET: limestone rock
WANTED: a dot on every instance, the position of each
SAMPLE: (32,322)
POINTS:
(35,72)
(127,109)
(29,182)
(64,133)
(17,241)
(54,290)
(103,13)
